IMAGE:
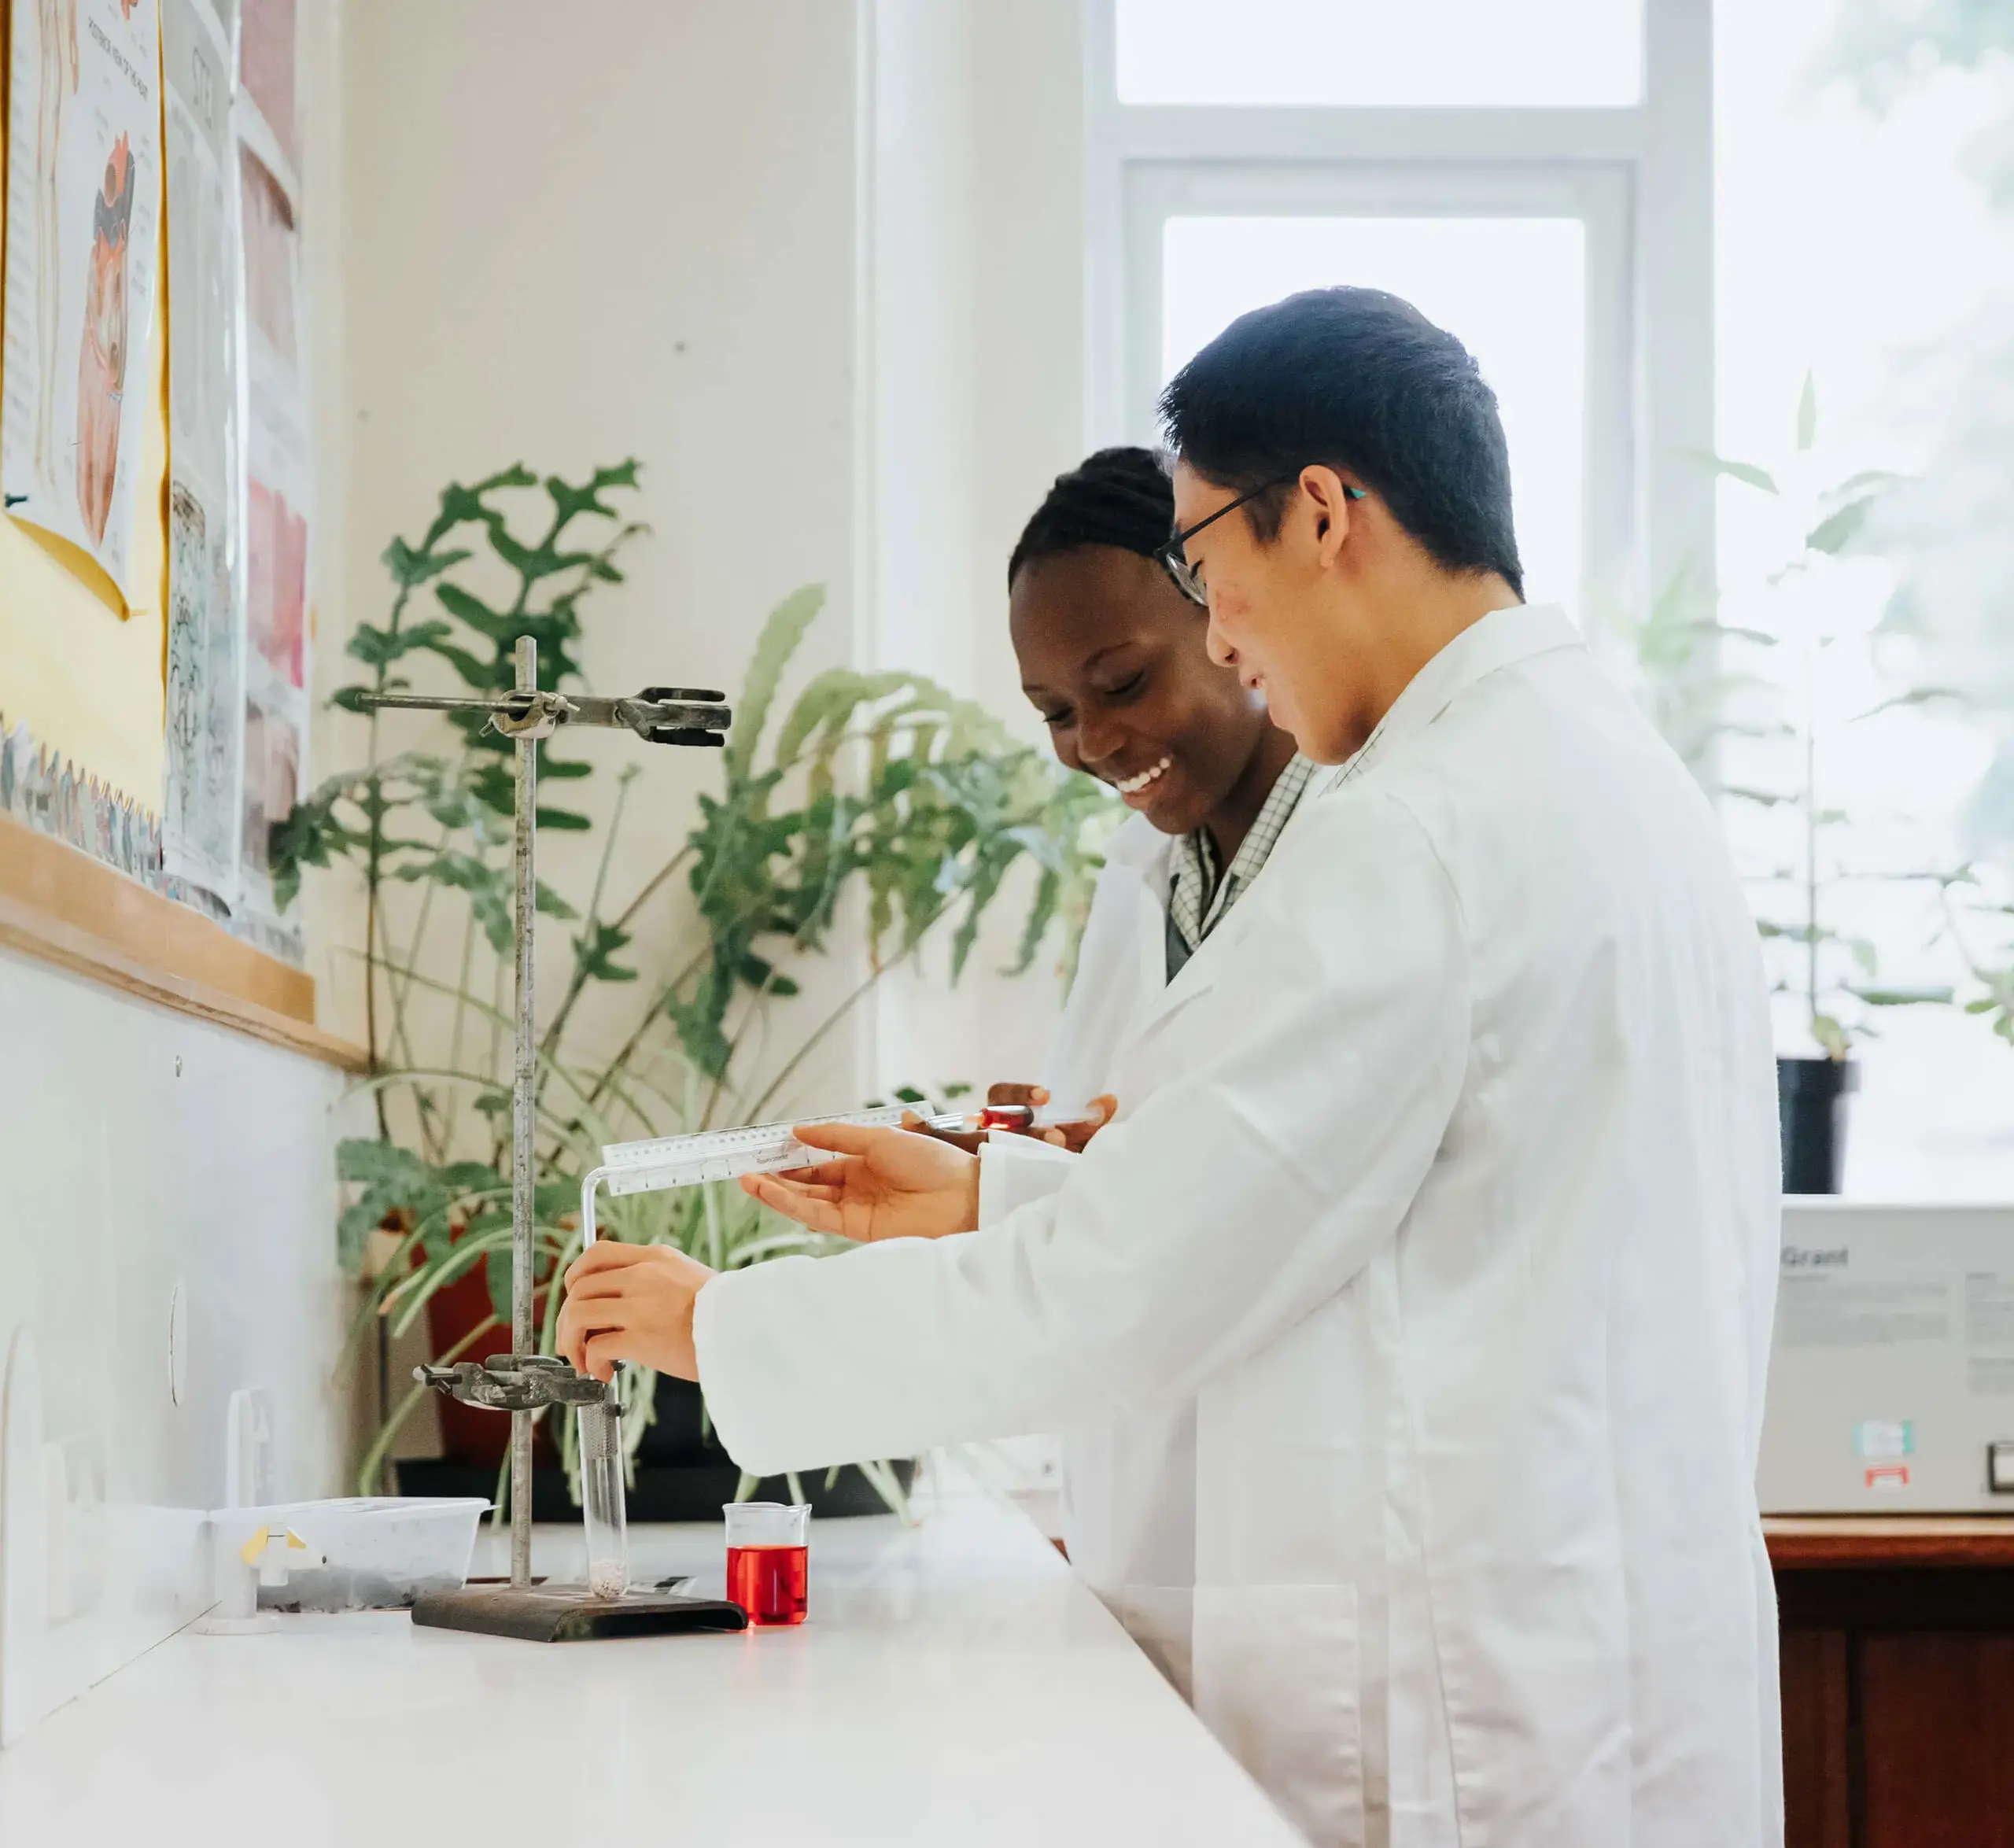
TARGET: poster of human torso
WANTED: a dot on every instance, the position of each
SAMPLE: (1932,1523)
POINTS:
(279,481)
(84,175)
(201,816)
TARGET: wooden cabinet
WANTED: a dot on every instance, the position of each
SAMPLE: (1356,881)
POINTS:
(1898,1681)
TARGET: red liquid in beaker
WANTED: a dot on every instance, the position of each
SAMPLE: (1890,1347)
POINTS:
(768,1582)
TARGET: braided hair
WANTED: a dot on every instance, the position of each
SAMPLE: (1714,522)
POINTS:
(1119,497)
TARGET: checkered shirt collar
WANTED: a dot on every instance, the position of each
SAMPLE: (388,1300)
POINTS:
(1198,898)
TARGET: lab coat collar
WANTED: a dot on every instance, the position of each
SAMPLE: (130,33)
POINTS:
(1500,640)
(1144,851)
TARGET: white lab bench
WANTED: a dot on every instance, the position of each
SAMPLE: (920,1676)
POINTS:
(955,1685)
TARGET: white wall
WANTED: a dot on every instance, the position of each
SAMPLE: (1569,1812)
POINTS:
(142,1151)
(973,255)
(572,235)
(817,264)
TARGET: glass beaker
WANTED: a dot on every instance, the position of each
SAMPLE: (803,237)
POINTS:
(768,1559)
(601,1515)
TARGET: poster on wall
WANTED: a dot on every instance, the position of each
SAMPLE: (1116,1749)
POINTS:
(83,177)
(279,490)
(266,65)
(200,830)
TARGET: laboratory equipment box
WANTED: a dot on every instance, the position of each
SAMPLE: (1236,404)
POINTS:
(1891,1380)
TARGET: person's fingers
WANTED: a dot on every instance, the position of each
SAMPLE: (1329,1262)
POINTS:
(1106,1105)
(1033,1096)
(599,1286)
(834,1191)
(577,1326)
(564,1340)
(843,1139)
(832,1168)
(797,1203)
(1055,1137)
(601,1353)
(606,1254)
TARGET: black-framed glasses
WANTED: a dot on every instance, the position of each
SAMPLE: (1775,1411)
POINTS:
(1174,556)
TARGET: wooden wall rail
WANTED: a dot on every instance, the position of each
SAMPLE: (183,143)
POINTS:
(63,907)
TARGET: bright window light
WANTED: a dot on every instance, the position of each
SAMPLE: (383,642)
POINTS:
(1511,289)
(1861,239)
(1562,53)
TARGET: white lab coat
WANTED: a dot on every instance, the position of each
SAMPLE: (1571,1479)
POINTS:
(1450,1192)
(1129,1481)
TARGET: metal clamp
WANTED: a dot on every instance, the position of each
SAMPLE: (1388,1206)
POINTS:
(515,1382)
(658,715)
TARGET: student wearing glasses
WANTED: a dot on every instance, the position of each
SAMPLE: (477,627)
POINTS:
(1448,1185)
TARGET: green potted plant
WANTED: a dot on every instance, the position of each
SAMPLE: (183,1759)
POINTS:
(876,793)
(1758,735)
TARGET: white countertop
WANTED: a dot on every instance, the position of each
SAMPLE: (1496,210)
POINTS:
(955,1685)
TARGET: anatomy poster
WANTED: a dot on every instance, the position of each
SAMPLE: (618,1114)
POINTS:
(83,179)
(278,495)
(200,820)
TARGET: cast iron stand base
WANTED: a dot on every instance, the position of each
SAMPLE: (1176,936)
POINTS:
(568,1613)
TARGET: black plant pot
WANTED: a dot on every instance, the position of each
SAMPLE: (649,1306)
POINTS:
(1811,1109)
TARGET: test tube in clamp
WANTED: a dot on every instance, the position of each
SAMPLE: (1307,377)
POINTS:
(523,1381)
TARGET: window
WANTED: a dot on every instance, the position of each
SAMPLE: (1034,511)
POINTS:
(1273,54)
(1698,207)
(1865,228)
(1492,165)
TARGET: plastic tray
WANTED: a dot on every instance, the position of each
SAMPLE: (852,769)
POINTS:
(382,1551)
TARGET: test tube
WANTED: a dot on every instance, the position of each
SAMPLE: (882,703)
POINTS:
(602,1517)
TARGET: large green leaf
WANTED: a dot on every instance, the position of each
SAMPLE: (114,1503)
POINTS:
(781,633)
(410,569)
(1837,530)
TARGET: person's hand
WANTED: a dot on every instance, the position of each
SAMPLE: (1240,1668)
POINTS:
(631,1302)
(1072,1135)
(889,1183)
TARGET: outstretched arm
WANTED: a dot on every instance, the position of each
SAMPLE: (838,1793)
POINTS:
(1319,1071)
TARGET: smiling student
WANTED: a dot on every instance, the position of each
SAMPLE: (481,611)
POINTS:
(1114,654)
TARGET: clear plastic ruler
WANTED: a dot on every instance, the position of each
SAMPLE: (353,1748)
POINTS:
(727,1154)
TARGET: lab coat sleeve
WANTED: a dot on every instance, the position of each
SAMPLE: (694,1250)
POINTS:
(1321,1048)
(1015,1170)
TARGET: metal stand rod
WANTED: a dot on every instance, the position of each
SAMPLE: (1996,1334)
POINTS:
(522,1382)
(524,1124)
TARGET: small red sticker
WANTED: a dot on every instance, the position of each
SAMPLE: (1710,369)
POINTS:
(1887,1476)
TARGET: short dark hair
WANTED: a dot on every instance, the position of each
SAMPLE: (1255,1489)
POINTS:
(1353,379)
(1118,497)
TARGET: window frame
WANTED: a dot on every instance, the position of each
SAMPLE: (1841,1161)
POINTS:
(1640,178)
